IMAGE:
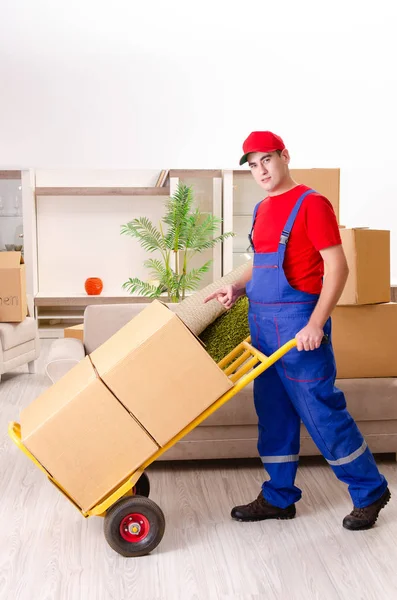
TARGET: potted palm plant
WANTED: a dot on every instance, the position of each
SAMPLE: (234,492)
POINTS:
(183,232)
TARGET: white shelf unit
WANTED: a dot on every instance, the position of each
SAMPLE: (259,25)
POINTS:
(59,207)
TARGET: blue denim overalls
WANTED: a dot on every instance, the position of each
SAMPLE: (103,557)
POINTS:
(300,387)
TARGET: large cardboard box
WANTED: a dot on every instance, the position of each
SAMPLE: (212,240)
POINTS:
(324,181)
(160,371)
(365,340)
(115,408)
(13,304)
(83,436)
(368,256)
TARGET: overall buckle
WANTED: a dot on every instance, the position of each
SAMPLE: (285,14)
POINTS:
(284,238)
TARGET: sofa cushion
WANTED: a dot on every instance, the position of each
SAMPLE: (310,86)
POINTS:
(367,400)
(14,334)
(370,399)
(17,351)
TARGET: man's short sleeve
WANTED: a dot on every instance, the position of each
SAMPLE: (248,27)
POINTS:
(321,223)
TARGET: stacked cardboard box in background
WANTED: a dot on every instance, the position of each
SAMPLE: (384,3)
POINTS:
(13,304)
(365,320)
(368,257)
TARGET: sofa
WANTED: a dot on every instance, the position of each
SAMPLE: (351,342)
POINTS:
(231,432)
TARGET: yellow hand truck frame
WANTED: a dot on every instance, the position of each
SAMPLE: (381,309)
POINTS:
(134,525)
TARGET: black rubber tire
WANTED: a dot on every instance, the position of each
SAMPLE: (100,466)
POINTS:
(125,506)
(142,486)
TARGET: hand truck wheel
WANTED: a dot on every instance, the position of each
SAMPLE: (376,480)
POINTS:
(134,526)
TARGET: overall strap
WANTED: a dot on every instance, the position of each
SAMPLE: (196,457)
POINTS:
(291,219)
(251,246)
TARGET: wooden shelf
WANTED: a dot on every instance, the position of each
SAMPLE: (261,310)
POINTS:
(102,191)
(206,173)
(84,300)
(10,174)
(51,316)
(241,172)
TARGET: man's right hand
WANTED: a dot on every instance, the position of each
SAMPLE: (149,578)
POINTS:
(226,295)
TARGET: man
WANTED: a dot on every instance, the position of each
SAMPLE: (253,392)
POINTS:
(294,233)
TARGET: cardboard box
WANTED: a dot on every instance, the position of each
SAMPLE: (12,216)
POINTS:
(365,340)
(75,331)
(325,181)
(13,303)
(368,256)
(160,371)
(83,436)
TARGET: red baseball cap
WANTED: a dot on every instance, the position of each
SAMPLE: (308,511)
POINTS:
(261,141)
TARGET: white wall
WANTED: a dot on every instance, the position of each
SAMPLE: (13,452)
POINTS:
(177,84)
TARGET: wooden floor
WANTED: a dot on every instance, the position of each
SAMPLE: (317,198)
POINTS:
(49,552)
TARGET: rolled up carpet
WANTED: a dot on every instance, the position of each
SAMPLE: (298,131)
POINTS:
(227,331)
(197,315)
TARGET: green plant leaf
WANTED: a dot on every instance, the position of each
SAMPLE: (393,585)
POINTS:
(174,239)
(147,234)
(205,245)
(157,268)
(179,206)
(202,229)
(191,280)
(178,209)
(143,288)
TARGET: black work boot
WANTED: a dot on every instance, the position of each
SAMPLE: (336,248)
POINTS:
(260,509)
(365,518)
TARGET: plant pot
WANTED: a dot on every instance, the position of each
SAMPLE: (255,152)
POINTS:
(93,286)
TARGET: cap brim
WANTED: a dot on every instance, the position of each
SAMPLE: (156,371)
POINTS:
(244,158)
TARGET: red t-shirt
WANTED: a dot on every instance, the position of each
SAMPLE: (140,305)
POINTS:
(315,229)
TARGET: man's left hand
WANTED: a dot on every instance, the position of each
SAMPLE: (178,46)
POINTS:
(310,337)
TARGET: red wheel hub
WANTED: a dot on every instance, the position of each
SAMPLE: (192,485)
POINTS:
(134,528)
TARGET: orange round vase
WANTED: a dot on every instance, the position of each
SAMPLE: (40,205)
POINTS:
(93,286)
